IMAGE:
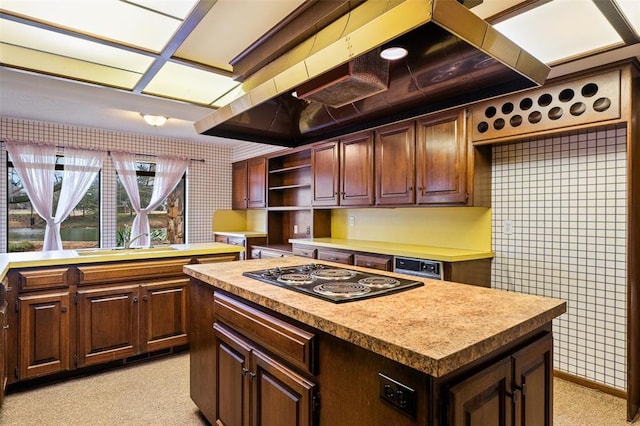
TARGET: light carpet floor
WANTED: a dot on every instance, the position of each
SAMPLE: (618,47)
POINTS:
(156,392)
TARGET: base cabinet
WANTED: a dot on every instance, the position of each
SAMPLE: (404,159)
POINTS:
(63,318)
(43,338)
(255,389)
(516,390)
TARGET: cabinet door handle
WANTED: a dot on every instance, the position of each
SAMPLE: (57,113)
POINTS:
(135,300)
(63,309)
(411,188)
(144,298)
(6,326)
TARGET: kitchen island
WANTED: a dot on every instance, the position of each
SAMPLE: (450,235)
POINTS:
(443,353)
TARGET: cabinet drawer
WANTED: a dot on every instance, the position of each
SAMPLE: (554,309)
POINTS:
(283,339)
(336,256)
(236,241)
(129,271)
(304,252)
(374,262)
(217,258)
(40,279)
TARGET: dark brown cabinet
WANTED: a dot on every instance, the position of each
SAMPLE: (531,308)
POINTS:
(395,164)
(43,337)
(441,159)
(108,324)
(356,170)
(121,321)
(326,174)
(248,184)
(3,350)
(516,390)
(253,388)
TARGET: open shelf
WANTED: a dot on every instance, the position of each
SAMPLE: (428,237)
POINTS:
(283,187)
(290,169)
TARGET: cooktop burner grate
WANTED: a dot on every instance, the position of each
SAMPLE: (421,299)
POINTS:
(336,285)
(342,289)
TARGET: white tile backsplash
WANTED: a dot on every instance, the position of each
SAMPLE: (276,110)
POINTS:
(566,197)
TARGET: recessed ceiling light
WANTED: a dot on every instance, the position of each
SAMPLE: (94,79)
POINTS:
(393,53)
(154,120)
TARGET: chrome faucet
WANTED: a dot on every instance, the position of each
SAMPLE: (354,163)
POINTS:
(127,244)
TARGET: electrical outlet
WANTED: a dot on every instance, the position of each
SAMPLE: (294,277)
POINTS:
(295,229)
(507,227)
(352,220)
(308,230)
(400,396)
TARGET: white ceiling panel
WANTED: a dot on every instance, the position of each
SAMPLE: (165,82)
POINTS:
(561,29)
(230,27)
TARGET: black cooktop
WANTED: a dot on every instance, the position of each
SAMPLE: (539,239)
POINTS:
(335,284)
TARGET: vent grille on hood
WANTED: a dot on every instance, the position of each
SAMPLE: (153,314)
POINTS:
(454,58)
(365,76)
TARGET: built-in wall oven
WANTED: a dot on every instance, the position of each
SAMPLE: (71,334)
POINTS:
(418,267)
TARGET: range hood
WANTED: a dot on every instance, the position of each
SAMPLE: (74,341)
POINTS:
(455,58)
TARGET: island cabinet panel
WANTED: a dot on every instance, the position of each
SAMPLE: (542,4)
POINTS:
(253,388)
(483,399)
(44,333)
(516,390)
(326,174)
(356,170)
(108,327)
(395,164)
(441,159)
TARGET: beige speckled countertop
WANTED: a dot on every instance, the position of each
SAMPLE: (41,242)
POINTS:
(443,254)
(436,328)
(71,257)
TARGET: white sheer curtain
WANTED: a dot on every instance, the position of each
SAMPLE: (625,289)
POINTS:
(80,170)
(169,171)
(35,165)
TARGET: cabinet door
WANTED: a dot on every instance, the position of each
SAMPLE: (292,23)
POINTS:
(3,351)
(533,379)
(326,174)
(441,160)
(395,164)
(43,341)
(356,170)
(239,194)
(256,183)
(232,377)
(281,397)
(482,399)
(164,315)
(108,326)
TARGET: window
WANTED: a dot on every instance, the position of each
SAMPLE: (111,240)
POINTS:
(26,227)
(167,221)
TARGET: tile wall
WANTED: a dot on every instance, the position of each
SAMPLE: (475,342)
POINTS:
(559,230)
(209,182)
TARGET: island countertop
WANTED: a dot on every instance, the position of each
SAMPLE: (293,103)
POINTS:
(436,328)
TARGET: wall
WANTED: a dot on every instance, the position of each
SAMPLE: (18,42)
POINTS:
(566,197)
(208,182)
(453,227)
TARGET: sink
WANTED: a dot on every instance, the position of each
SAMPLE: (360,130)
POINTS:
(122,251)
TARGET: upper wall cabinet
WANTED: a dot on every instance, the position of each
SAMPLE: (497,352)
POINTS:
(395,164)
(326,173)
(356,170)
(343,171)
(249,184)
(441,159)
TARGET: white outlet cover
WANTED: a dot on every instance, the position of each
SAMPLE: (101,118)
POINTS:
(507,227)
